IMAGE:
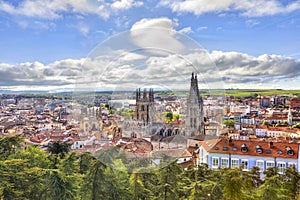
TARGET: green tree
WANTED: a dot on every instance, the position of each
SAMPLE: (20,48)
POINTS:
(168,178)
(229,123)
(292,182)
(143,185)
(272,189)
(233,187)
(271,171)
(9,145)
(94,182)
(176,116)
(59,186)
(265,123)
(12,178)
(296,125)
(59,148)
(169,116)
(85,161)
(117,185)
(34,154)
(70,164)
(18,181)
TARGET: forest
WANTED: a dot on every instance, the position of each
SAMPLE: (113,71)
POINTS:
(29,172)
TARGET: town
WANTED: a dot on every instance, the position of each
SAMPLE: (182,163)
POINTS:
(220,131)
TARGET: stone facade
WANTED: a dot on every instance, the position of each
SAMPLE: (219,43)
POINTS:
(144,111)
(194,122)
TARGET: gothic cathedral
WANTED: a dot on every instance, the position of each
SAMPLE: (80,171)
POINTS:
(194,122)
(144,106)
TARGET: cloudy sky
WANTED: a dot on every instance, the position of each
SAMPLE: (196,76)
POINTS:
(61,44)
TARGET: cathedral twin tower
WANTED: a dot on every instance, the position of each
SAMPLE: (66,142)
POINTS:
(194,121)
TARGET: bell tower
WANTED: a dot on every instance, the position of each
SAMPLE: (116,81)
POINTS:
(144,106)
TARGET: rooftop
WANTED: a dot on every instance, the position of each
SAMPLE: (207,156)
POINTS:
(252,148)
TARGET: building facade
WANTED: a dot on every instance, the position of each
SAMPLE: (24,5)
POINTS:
(144,110)
(223,153)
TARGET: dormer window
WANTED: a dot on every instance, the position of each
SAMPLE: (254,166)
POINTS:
(225,148)
(259,149)
(244,148)
(290,151)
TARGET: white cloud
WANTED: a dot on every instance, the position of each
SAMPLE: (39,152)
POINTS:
(158,34)
(133,69)
(125,4)
(201,28)
(53,9)
(83,29)
(186,30)
(249,8)
(240,68)
(252,22)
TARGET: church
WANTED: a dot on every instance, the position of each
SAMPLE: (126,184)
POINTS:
(194,121)
(146,116)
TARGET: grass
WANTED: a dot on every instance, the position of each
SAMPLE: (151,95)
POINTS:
(267,92)
(204,93)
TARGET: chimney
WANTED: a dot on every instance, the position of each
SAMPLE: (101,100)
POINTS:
(230,141)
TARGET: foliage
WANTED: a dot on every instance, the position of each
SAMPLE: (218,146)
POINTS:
(229,123)
(59,148)
(31,173)
(281,125)
(8,145)
(296,125)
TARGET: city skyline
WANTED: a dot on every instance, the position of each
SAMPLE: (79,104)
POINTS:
(253,44)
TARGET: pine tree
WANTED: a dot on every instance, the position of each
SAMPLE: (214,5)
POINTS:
(233,184)
(168,178)
(292,182)
(94,182)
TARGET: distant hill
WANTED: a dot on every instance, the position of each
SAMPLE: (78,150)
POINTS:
(203,92)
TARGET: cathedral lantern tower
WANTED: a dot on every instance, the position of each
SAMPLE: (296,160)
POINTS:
(194,122)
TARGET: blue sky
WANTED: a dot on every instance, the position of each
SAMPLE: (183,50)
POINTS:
(38,36)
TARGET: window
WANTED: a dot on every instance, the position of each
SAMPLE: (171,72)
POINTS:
(224,162)
(244,164)
(270,164)
(234,163)
(281,167)
(215,162)
(225,148)
(261,165)
(244,148)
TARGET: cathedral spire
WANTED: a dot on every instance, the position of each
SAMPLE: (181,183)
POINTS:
(194,124)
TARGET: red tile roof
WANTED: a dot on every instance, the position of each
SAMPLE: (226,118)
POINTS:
(223,146)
